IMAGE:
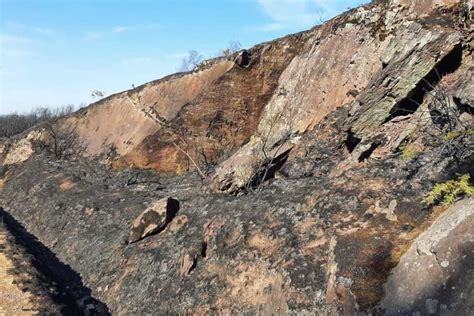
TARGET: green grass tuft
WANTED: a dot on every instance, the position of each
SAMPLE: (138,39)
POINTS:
(408,153)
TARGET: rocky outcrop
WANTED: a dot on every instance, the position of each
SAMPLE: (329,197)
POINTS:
(207,112)
(16,151)
(435,276)
(122,121)
(379,58)
(223,116)
(384,67)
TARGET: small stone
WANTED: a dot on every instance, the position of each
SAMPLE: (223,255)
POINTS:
(89,211)
(153,219)
(188,262)
(444,264)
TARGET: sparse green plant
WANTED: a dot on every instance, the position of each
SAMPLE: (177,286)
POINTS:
(447,192)
(452,135)
(133,175)
(409,153)
(456,134)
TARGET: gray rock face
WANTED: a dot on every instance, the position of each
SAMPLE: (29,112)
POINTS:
(436,274)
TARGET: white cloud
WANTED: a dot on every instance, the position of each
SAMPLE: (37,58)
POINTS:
(13,53)
(301,13)
(14,47)
(177,56)
(45,31)
(93,35)
(287,11)
(120,29)
(270,27)
(134,61)
(22,28)
(13,40)
(98,34)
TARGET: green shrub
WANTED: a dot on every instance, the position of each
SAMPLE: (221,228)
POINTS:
(447,192)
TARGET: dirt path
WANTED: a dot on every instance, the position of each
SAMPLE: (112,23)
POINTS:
(13,301)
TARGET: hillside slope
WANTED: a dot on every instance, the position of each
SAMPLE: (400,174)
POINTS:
(288,178)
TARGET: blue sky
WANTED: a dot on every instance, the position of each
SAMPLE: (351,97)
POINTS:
(55,52)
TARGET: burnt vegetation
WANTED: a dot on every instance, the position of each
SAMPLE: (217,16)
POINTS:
(14,124)
(59,142)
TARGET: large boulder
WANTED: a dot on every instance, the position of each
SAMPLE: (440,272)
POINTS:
(243,58)
(436,275)
(154,219)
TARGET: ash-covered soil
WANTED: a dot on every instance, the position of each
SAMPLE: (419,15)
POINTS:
(316,235)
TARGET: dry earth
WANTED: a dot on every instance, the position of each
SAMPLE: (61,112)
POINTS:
(13,301)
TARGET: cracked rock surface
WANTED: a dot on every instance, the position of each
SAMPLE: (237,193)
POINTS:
(436,274)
